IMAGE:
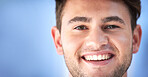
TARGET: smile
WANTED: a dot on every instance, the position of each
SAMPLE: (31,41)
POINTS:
(98,58)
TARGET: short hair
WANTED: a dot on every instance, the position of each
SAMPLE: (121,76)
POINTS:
(134,7)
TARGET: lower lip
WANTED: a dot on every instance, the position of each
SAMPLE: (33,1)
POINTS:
(99,63)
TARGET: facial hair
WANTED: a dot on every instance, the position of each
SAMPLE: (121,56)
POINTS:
(76,71)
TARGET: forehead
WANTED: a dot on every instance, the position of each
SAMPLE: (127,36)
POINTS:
(93,4)
(95,9)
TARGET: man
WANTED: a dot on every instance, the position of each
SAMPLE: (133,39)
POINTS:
(97,37)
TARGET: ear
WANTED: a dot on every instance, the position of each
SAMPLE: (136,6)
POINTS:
(57,40)
(137,38)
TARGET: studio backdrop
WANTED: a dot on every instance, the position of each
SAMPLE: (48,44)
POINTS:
(27,48)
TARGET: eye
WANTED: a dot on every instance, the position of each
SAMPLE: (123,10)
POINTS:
(111,27)
(81,27)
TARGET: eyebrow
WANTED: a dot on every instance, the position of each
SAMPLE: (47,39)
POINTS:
(104,20)
(80,19)
(113,18)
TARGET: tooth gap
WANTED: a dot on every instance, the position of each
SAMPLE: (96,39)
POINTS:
(83,57)
(111,56)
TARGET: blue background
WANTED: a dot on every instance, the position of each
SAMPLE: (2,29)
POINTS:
(27,48)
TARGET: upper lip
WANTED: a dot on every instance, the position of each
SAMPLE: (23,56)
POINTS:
(98,53)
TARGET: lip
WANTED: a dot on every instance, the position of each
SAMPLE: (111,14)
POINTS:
(98,63)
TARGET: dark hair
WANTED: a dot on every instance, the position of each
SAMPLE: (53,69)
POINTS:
(134,7)
(59,8)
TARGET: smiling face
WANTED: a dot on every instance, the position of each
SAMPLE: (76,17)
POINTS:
(96,38)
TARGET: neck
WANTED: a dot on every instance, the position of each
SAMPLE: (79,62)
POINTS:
(125,75)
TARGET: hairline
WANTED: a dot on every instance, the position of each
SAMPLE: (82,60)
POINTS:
(130,14)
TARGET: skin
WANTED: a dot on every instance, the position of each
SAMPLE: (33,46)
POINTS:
(79,37)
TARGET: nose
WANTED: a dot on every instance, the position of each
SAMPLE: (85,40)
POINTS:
(96,39)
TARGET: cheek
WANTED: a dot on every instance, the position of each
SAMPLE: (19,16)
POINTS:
(123,43)
(71,43)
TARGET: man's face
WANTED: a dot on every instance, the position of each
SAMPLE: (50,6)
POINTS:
(96,38)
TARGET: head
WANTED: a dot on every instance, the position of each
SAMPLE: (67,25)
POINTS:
(97,37)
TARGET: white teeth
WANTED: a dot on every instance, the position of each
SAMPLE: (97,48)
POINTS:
(103,57)
(91,58)
(97,57)
(88,57)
